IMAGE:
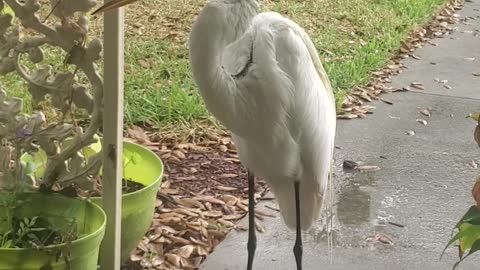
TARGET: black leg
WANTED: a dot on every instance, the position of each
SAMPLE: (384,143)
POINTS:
(252,238)
(298,248)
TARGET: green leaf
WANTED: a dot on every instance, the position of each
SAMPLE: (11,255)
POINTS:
(472,235)
(136,158)
(34,220)
(7,244)
(33,237)
(38,229)
(469,239)
(466,231)
(472,216)
(475,248)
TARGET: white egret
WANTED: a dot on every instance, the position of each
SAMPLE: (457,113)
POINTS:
(261,76)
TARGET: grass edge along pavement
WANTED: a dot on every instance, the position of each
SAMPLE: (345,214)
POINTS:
(352,42)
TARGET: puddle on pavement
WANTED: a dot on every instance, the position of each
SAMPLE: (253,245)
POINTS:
(353,205)
(354,220)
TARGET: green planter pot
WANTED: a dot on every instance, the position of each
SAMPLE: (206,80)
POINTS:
(138,207)
(90,219)
(142,166)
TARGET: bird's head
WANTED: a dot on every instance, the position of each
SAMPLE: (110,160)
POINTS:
(229,18)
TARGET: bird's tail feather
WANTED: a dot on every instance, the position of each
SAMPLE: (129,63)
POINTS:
(310,203)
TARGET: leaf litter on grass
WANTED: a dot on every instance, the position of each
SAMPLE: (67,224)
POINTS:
(440,26)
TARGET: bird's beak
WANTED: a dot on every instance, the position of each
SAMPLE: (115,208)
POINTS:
(113,4)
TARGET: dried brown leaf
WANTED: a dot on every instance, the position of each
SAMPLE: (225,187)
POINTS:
(174,259)
(170,220)
(381,238)
(185,251)
(476,192)
(414,56)
(179,154)
(350,164)
(262,213)
(239,227)
(144,63)
(213,214)
(228,175)
(157,261)
(224,188)
(210,199)
(422,121)
(272,208)
(259,227)
(191,203)
(226,222)
(410,133)
(202,251)
(138,134)
(242,206)
(156,248)
(198,242)
(425,112)
(368,168)
(186,212)
(233,217)
(386,101)
(225,140)
(186,264)
(417,85)
(473,164)
(223,148)
(136,257)
(476,134)
(178,240)
(229,199)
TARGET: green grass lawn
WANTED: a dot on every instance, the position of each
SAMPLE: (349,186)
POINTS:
(353,37)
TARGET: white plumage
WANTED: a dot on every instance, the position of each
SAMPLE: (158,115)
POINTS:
(261,76)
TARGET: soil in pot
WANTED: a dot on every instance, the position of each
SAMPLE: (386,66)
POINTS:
(128,186)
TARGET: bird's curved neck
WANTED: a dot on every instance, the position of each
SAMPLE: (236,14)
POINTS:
(216,27)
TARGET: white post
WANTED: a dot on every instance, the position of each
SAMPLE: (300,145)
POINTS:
(113,136)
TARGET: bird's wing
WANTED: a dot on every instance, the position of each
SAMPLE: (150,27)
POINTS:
(294,104)
(264,90)
(315,112)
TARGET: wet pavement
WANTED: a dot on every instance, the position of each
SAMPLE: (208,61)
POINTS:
(424,183)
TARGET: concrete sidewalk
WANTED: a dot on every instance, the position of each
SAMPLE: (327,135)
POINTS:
(424,183)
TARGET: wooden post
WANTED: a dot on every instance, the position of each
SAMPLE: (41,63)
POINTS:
(113,136)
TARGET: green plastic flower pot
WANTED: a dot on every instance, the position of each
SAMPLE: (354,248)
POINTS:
(90,220)
(139,165)
(138,207)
